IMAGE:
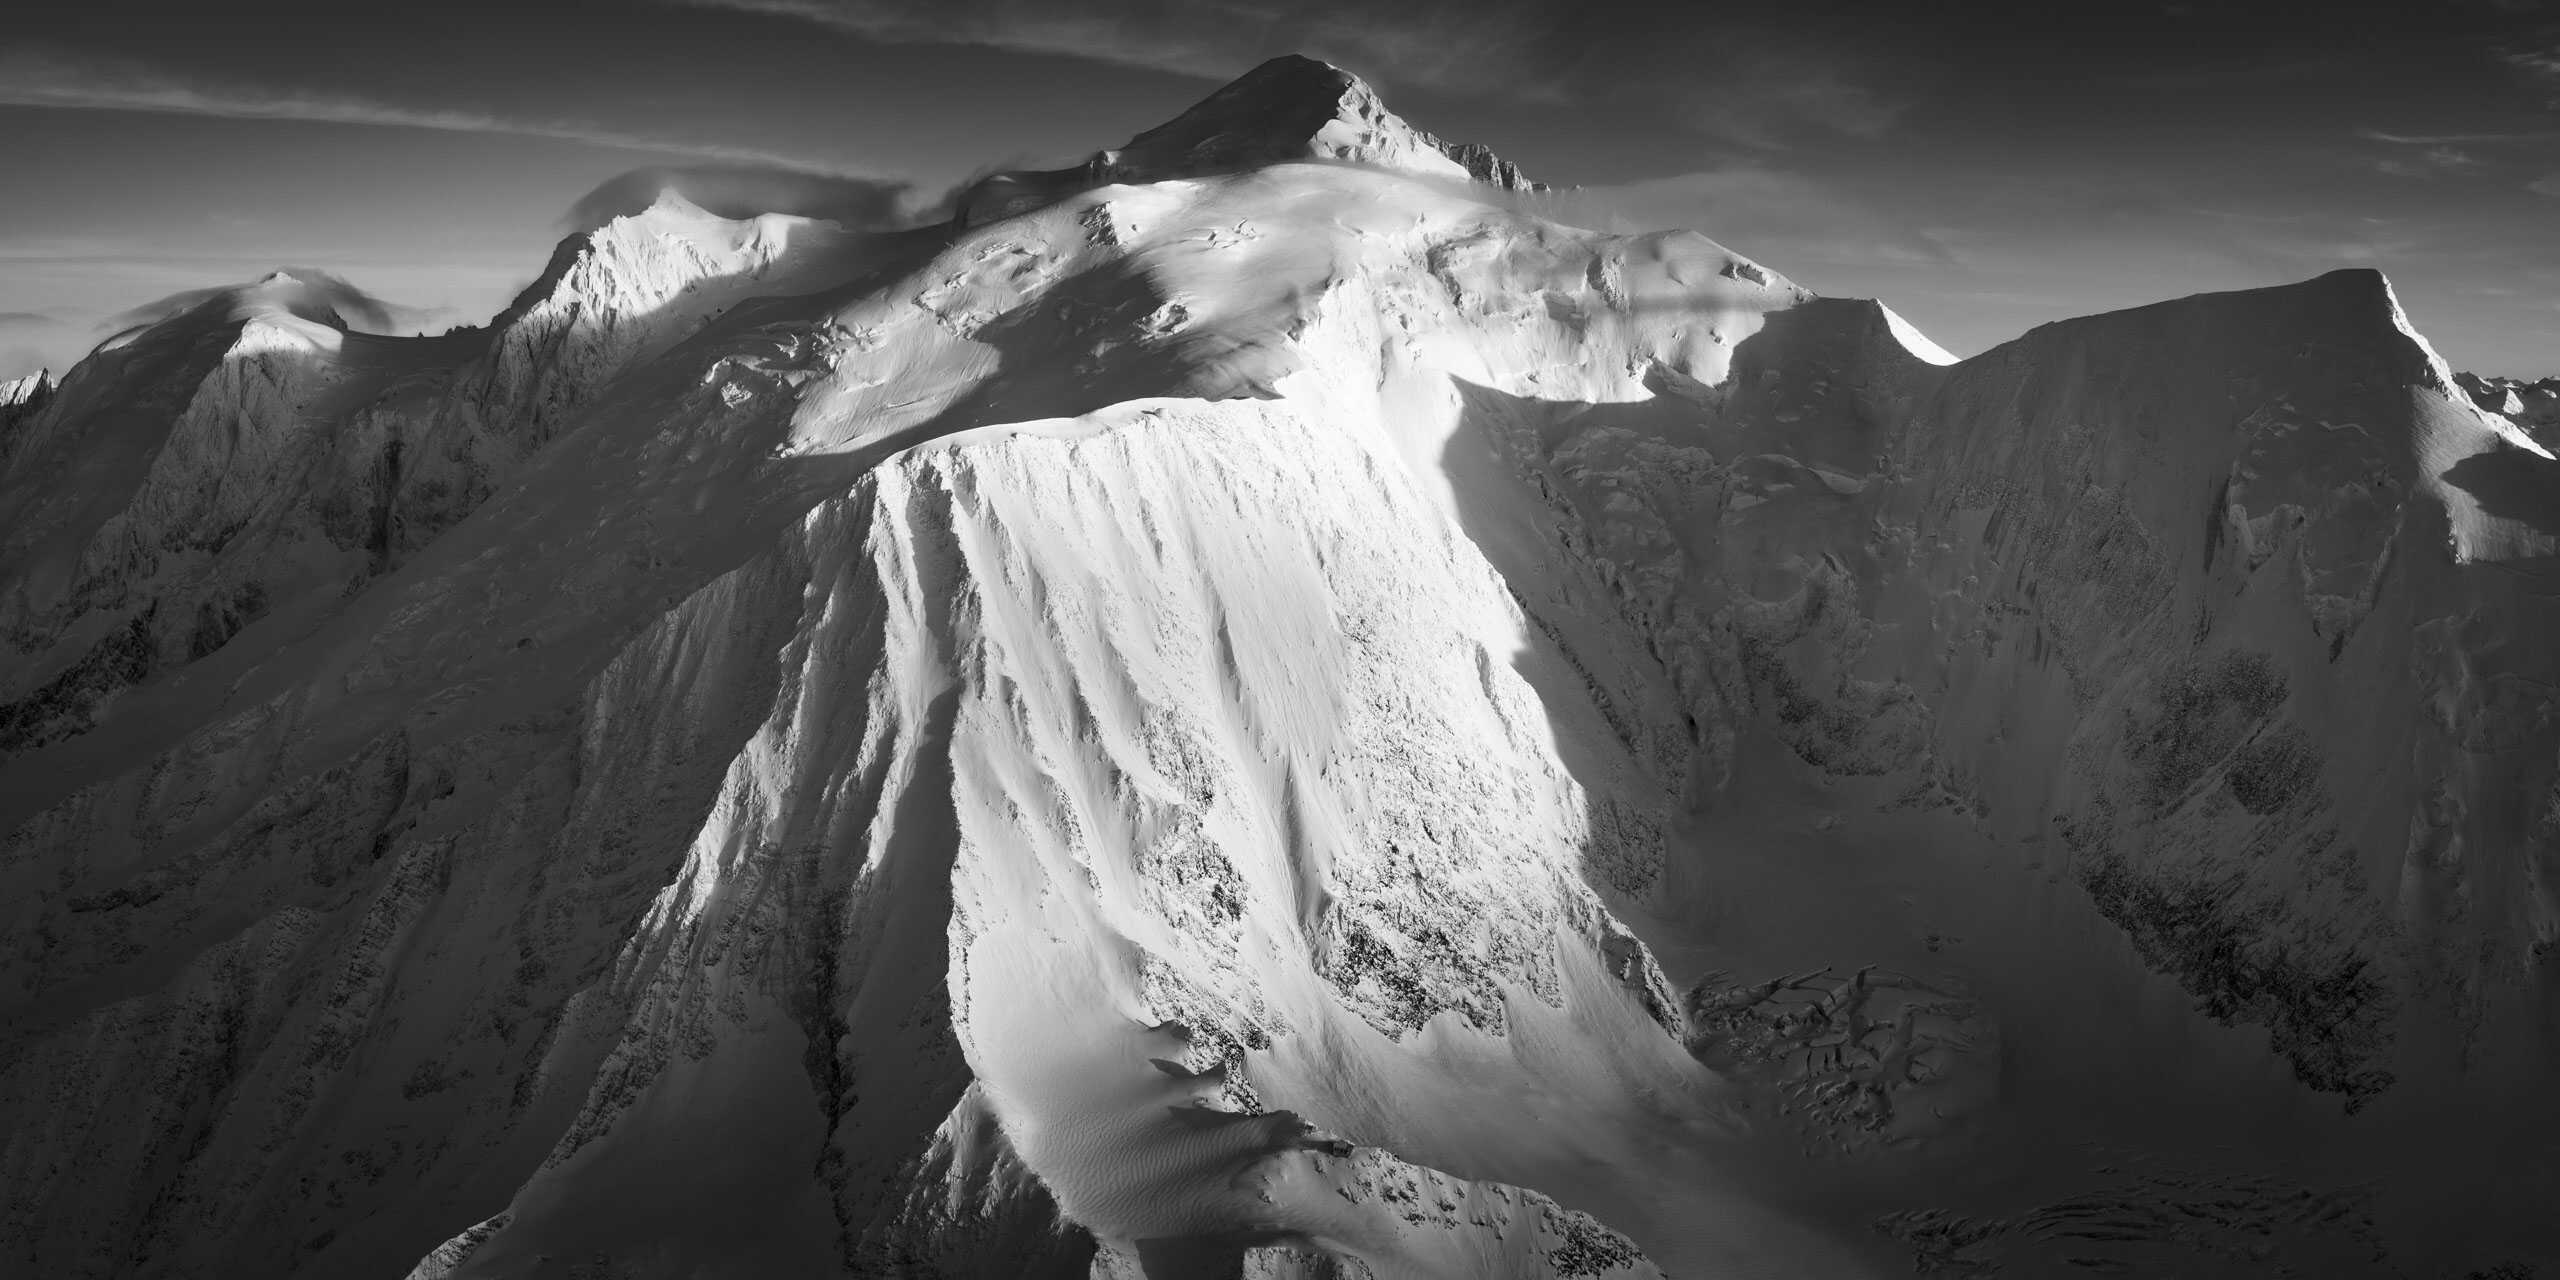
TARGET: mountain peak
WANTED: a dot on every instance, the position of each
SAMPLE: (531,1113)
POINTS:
(1294,107)
(1290,108)
(32,389)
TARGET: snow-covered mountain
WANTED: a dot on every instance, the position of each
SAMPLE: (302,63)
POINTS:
(1253,708)
(2533,405)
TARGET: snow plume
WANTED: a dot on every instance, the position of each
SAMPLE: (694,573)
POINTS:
(746,190)
(942,207)
(306,292)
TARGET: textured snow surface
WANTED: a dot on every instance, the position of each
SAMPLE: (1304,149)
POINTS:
(1258,712)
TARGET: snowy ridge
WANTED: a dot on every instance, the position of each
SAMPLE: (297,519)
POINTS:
(251,451)
(1252,715)
(2531,404)
(26,391)
(1917,342)
(1297,108)
(1290,108)
(631,287)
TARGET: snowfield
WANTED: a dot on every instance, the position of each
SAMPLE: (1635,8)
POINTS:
(1256,709)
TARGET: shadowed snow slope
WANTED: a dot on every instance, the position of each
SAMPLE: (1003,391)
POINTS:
(1253,715)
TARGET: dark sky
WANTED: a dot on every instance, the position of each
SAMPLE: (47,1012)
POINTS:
(1984,168)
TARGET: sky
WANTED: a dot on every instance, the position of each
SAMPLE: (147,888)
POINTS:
(1983,167)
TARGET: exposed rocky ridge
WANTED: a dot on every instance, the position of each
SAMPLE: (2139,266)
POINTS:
(1111,740)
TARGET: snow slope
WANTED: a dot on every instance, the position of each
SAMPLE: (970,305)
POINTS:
(2533,406)
(1251,709)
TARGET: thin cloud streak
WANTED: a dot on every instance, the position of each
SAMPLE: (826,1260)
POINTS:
(309,290)
(1736,80)
(744,191)
(1458,48)
(1774,96)
(2428,163)
(1772,214)
(1119,40)
(2457,139)
(79,83)
(2542,64)
(2429,155)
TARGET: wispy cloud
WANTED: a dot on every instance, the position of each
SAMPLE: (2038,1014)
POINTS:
(743,191)
(2459,139)
(1772,213)
(2250,217)
(1508,49)
(1732,79)
(1196,40)
(2292,243)
(309,291)
(2237,70)
(2427,162)
(1433,44)
(81,82)
(2432,155)
(2541,64)
(1777,95)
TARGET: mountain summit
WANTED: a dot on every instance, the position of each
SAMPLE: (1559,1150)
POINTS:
(1297,108)
(1219,715)
(1291,108)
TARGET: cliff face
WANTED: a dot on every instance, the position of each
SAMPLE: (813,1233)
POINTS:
(1291,722)
(2247,575)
